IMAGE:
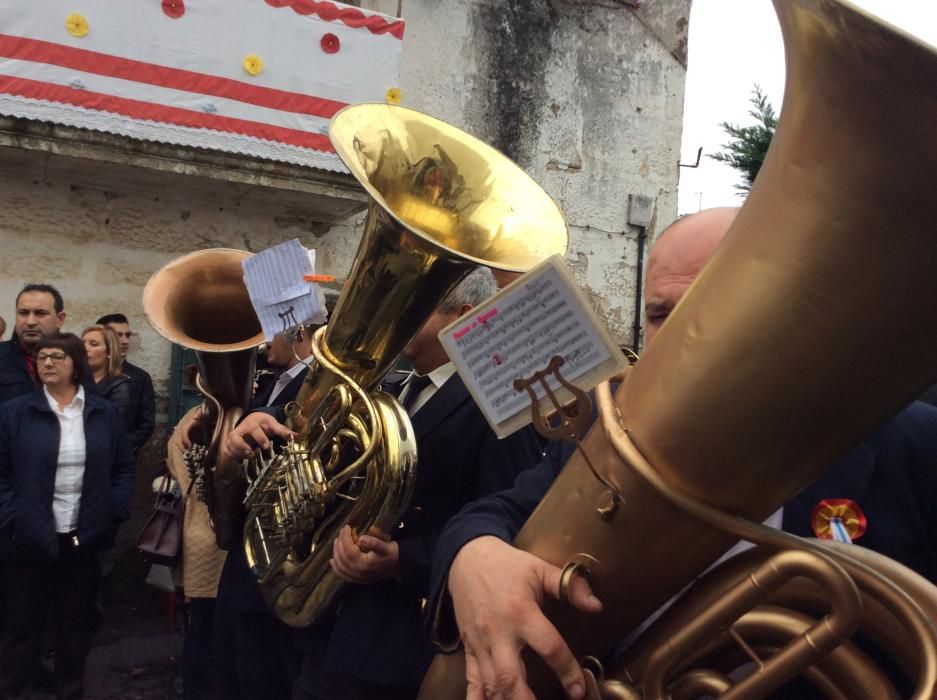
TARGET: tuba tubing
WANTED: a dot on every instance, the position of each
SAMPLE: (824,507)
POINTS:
(800,335)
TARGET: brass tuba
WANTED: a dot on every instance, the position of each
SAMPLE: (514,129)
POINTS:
(200,302)
(441,202)
(801,334)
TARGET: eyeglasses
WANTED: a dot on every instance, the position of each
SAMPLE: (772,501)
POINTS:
(56,357)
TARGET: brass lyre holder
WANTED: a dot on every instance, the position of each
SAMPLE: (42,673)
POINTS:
(567,421)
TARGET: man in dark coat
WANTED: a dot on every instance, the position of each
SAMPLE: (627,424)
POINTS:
(889,480)
(374,647)
(143,401)
(40,311)
(253,649)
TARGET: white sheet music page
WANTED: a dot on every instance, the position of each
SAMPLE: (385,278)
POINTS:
(278,292)
(517,332)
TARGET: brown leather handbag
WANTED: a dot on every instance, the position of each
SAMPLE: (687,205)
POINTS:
(160,539)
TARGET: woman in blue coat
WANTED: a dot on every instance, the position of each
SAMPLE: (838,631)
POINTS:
(66,482)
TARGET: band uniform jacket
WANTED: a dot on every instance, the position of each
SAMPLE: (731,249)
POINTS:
(377,635)
(891,475)
(238,584)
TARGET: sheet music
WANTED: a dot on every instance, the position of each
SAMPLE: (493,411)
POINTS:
(278,292)
(517,333)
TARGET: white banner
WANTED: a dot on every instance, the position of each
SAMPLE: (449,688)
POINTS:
(257,77)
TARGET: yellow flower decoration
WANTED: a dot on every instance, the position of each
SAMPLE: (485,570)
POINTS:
(393,96)
(253,64)
(76,24)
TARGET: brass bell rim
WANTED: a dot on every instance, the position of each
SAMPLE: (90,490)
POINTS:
(344,150)
(157,309)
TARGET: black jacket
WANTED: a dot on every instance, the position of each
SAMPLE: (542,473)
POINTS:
(377,636)
(891,475)
(29,446)
(142,406)
(15,379)
(238,586)
(117,391)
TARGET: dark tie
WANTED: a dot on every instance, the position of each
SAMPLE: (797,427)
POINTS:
(415,388)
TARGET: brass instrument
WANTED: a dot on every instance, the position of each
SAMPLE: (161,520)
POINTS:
(200,301)
(800,336)
(441,202)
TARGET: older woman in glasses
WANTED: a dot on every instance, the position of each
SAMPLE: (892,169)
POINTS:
(66,481)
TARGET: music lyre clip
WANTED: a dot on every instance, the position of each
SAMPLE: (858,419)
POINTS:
(288,318)
(574,417)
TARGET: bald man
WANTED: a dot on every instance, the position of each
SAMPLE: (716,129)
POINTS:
(496,590)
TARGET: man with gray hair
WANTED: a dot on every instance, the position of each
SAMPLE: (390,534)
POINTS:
(375,647)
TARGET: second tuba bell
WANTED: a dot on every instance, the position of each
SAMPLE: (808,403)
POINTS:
(200,302)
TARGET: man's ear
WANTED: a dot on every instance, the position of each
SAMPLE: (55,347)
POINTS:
(464,309)
(61,316)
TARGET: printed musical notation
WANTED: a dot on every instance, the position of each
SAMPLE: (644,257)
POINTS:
(517,332)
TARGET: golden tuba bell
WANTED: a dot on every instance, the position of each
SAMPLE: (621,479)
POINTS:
(200,302)
(441,203)
(801,334)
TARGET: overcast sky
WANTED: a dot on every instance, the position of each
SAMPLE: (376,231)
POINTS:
(733,45)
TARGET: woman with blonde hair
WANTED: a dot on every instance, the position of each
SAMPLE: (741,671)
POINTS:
(103,350)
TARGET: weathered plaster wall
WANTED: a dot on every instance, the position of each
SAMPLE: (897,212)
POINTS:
(586,95)
(100,248)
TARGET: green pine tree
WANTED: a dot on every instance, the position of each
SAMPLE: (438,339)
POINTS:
(748,145)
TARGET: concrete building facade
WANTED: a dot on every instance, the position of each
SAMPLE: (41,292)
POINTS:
(586,95)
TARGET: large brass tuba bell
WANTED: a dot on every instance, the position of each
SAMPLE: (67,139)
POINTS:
(803,333)
(200,302)
(441,202)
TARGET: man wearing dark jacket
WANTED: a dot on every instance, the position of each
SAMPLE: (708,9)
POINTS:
(143,404)
(889,476)
(253,648)
(374,647)
(40,311)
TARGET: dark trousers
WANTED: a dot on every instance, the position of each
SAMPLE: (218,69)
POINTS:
(317,682)
(254,655)
(66,589)
(197,649)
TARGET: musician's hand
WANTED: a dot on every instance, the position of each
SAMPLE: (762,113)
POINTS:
(187,430)
(254,431)
(497,592)
(374,557)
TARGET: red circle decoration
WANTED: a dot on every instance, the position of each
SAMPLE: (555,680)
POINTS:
(174,8)
(330,43)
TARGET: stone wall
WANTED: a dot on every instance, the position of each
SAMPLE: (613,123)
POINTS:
(586,95)
(99,247)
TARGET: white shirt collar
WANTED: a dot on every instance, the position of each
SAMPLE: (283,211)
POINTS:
(438,376)
(76,403)
(294,371)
